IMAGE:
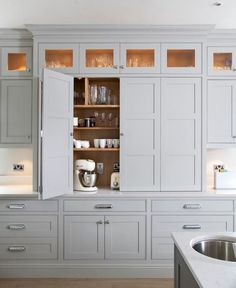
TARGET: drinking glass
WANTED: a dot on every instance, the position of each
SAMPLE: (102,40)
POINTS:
(93,94)
(110,119)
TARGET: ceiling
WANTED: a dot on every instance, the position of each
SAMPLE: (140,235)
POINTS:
(16,13)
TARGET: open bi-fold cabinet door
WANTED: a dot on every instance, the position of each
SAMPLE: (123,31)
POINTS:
(56,139)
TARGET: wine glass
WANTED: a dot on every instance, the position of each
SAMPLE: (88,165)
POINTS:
(103,119)
(110,119)
(96,116)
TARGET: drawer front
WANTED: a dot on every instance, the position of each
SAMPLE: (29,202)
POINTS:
(163,226)
(30,248)
(104,205)
(22,206)
(192,206)
(28,226)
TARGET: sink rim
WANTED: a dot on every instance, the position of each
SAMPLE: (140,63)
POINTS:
(212,238)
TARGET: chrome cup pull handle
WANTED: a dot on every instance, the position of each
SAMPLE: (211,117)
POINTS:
(16,248)
(192,206)
(191,226)
(103,206)
(16,226)
(16,206)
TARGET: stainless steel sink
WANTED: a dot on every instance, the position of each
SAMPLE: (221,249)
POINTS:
(217,248)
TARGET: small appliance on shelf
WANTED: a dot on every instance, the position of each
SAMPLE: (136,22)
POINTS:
(115,177)
(84,175)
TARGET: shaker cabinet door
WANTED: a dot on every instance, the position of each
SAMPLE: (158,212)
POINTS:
(84,237)
(16,111)
(140,134)
(125,237)
(181,134)
(56,151)
(221,111)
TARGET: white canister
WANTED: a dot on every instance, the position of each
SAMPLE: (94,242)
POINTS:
(102,143)
(85,144)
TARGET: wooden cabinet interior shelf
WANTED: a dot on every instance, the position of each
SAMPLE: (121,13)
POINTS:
(96,106)
(96,128)
(97,149)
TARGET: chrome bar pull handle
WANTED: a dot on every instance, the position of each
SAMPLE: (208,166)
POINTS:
(192,206)
(192,226)
(16,248)
(16,227)
(16,206)
(103,206)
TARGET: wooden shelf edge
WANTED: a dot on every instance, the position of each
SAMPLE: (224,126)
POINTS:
(96,106)
(96,149)
(96,128)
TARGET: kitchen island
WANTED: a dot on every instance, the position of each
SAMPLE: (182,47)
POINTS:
(199,270)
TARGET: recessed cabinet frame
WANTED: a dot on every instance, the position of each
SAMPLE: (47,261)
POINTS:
(100,46)
(196,69)
(16,50)
(59,46)
(221,72)
(140,46)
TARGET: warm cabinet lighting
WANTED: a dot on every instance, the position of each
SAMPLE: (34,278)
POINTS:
(99,58)
(222,61)
(58,58)
(17,62)
(181,58)
(140,58)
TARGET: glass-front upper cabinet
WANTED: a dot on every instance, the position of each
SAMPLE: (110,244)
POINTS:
(140,58)
(181,58)
(99,58)
(222,61)
(62,57)
(16,61)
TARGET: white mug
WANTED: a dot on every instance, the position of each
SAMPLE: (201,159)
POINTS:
(78,144)
(109,143)
(116,143)
(85,144)
(102,143)
(96,143)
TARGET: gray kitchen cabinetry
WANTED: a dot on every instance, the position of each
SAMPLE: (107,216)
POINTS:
(16,61)
(25,235)
(16,111)
(140,134)
(181,134)
(104,237)
(183,276)
(187,215)
(221,111)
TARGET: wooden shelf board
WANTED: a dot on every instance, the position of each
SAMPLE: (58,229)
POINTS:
(96,106)
(96,128)
(97,149)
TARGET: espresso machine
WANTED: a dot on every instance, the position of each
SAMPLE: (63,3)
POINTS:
(84,175)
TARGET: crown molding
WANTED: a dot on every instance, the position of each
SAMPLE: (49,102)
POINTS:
(119,30)
(15,34)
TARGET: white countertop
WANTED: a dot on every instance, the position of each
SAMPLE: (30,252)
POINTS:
(27,191)
(208,272)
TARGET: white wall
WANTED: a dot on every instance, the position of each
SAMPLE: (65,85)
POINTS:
(16,13)
(10,156)
(220,156)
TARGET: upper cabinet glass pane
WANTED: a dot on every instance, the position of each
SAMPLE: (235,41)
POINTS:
(140,58)
(17,62)
(181,58)
(99,58)
(55,58)
(222,61)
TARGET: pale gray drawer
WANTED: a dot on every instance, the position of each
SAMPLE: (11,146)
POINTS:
(104,205)
(29,248)
(192,206)
(163,226)
(28,226)
(22,206)
(162,249)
